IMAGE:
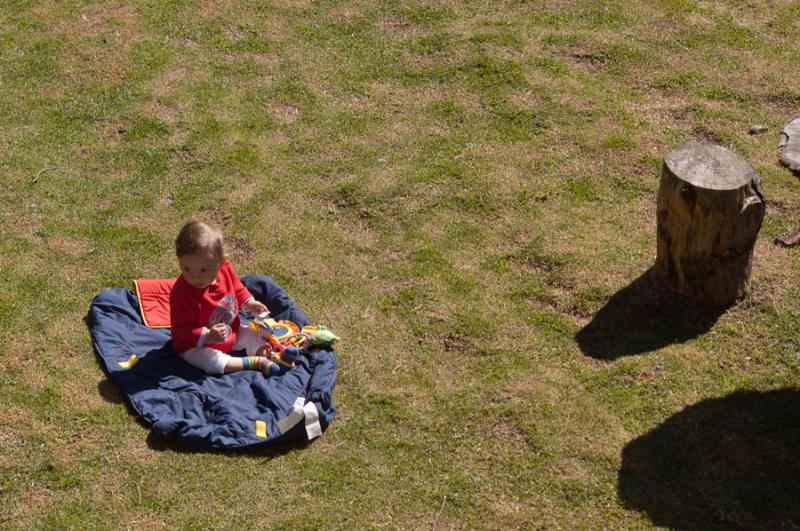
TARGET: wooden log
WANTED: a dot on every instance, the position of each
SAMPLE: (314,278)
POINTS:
(789,241)
(710,210)
(789,146)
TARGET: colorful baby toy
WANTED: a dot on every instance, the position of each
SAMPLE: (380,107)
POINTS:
(285,340)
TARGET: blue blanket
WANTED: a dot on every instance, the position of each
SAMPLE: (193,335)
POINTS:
(234,410)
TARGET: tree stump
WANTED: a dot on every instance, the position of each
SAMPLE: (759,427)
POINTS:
(710,210)
(789,146)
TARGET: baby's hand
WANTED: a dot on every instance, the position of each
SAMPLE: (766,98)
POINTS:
(218,333)
(255,307)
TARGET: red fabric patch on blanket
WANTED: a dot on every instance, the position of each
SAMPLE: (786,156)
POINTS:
(153,294)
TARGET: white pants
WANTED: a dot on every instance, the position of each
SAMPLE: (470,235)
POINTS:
(213,361)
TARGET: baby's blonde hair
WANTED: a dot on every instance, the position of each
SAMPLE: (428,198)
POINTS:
(197,237)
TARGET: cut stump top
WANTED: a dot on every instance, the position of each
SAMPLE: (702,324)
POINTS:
(709,166)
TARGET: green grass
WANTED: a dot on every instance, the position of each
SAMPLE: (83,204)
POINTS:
(471,190)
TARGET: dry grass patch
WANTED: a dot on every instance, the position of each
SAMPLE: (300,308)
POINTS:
(285,113)
(356,230)
(581,421)
(12,415)
(138,450)
(770,278)
(784,207)
(20,352)
(653,144)
(292,5)
(167,112)
(148,222)
(114,25)
(571,468)
(83,440)
(664,106)
(94,20)
(213,8)
(70,245)
(349,11)
(28,502)
(172,80)
(141,519)
(784,105)
(83,394)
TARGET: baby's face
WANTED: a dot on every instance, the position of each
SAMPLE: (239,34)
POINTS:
(199,270)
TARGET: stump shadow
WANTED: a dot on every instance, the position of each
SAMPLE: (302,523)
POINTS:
(724,463)
(643,317)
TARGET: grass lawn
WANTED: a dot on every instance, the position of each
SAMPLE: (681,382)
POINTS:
(465,192)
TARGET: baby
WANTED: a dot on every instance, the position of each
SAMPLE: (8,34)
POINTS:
(204,307)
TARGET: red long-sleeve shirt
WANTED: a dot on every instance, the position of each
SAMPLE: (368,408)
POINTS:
(193,309)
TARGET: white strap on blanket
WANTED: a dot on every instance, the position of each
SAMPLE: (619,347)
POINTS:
(313,429)
(294,416)
(302,410)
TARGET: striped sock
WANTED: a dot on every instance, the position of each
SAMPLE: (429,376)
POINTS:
(260,363)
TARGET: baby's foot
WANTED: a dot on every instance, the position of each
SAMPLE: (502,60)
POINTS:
(286,357)
(273,369)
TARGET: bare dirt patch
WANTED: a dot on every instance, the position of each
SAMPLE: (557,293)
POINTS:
(784,207)
(240,250)
(457,345)
(706,134)
(533,264)
(506,431)
(590,59)
(216,217)
(783,103)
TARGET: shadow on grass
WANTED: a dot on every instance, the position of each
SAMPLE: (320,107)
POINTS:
(643,317)
(266,451)
(109,390)
(724,463)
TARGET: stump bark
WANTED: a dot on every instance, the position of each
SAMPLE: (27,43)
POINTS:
(710,210)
